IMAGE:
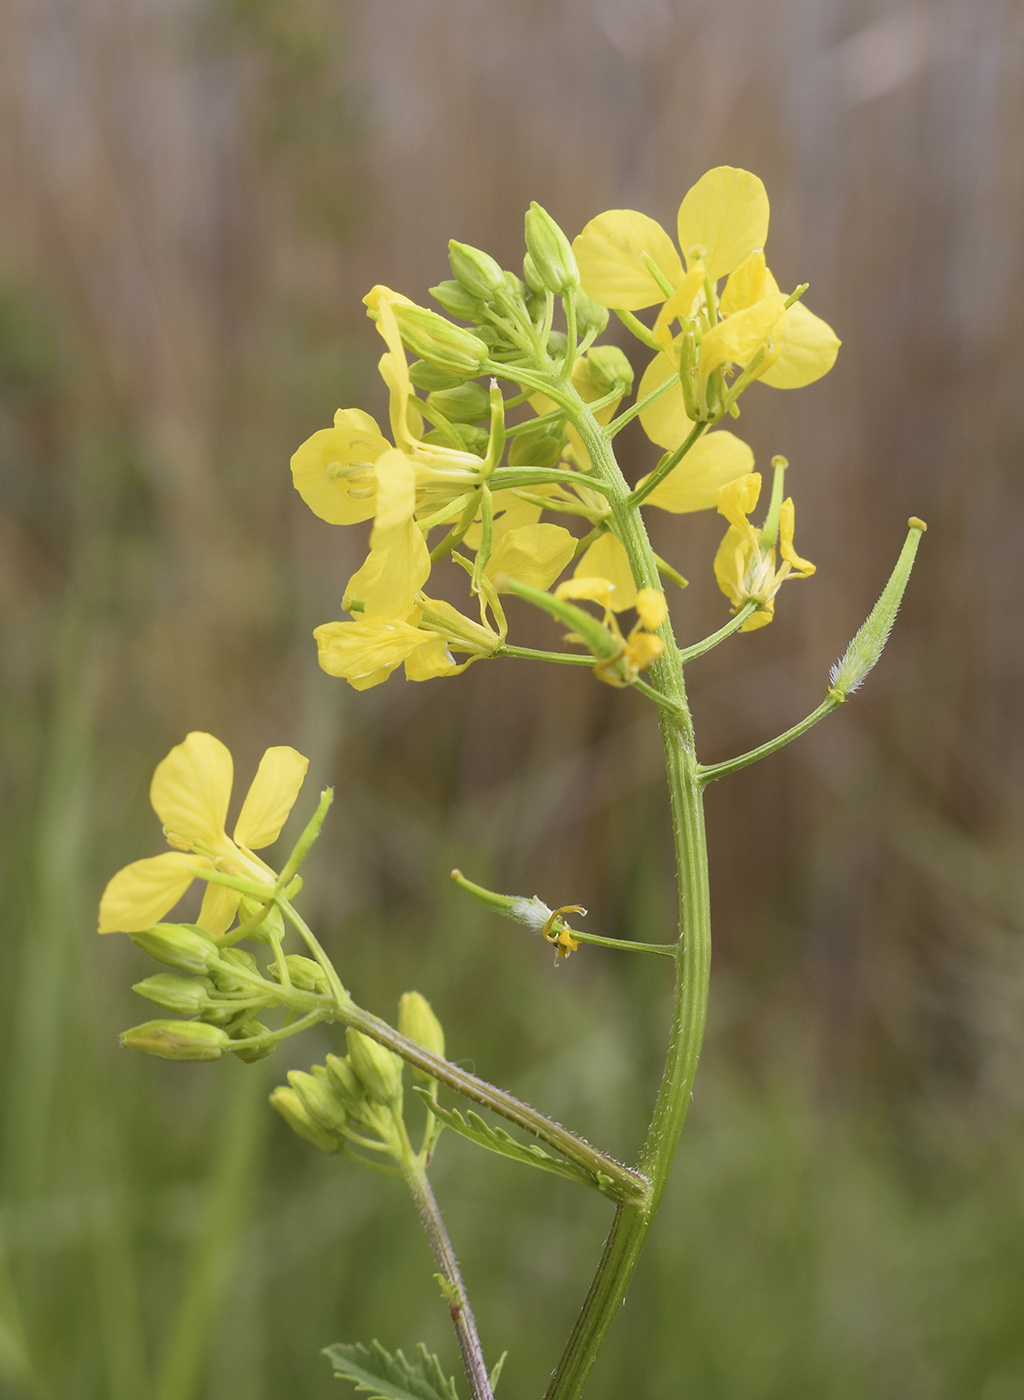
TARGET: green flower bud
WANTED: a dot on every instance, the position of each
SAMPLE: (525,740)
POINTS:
(431,378)
(453,298)
(248,1030)
(609,369)
(591,318)
(515,287)
(867,646)
(318,1100)
(178,1040)
(551,252)
(534,280)
(558,343)
(436,340)
(475,270)
(306,974)
(380,1070)
(271,922)
(539,446)
(188,996)
(344,1081)
(233,957)
(185,946)
(416,1020)
(469,403)
(289,1105)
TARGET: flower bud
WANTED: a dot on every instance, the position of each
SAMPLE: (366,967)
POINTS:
(469,403)
(539,446)
(188,996)
(475,270)
(178,1040)
(609,369)
(428,377)
(306,975)
(551,252)
(436,340)
(558,343)
(272,920)
(233,957)
(344,1081)
(318,1100)
(379,1070)
(185,946)
(289,1105)
(249,1030)
(532,277)
(417,1021)
(453,298)
(591,317)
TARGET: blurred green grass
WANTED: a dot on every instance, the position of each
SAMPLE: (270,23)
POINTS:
(185,239)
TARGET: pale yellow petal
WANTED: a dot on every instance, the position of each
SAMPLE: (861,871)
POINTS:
(802,568)
(406,421)
(429,661)
(809,352)
(396,489)
(533,554)
(730,565)
(748,284)
(271,797)
(664,421)
(727,212)
(356,419)
(606,558)
(679,305)
(738,498)
(651,608)
(365,651)
(394,571)
(218,909)
(610,256)
(711,463)
(587,588)
(191,789)
(736,340)
(142,893)
(316,468)
(462,633)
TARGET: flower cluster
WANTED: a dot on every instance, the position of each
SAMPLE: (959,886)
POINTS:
(471,477)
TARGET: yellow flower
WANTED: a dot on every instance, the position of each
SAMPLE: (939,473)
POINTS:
(635,652)
(365,652)
(190,793)
(628,262)
(744,567)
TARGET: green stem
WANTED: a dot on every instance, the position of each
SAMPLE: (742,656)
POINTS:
(637,327)
(636,408)
(455,1292)
(709,643)
(564,658)
(669,465)
(733,765)
(693,950)
(624,945)
(516,478)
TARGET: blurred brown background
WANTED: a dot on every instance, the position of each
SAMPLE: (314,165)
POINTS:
(194,196)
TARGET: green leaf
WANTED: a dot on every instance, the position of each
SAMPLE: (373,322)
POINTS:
(387,1376)
(497,1369)
(497,1140)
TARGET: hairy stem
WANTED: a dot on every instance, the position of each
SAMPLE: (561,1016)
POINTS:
(458,1303)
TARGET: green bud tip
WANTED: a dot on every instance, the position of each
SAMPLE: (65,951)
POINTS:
(289,1105)
(178,1040)
(379,1070)
(184,946)
(551,252)
(476,270)
(416,1021)
(319,1100)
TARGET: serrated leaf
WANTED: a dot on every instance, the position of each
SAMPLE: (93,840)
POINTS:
(385,1375)
(497,1140)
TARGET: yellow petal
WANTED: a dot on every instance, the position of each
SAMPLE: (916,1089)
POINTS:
(610,255)
(651,608)
(394,571)
(341,500)
(642,649)
(737,499)
(711,463)
(736,340)
(607,559)
(802,568)
(365,651)
(748,284)
(142,893)
(356,419)
(731,565)
(587,588)
(218,909)
(406,421)
(727,212)
(271,797)
(533,554)
(664,421)
(191,789)
(396,489)
(430,660)
(809,352)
